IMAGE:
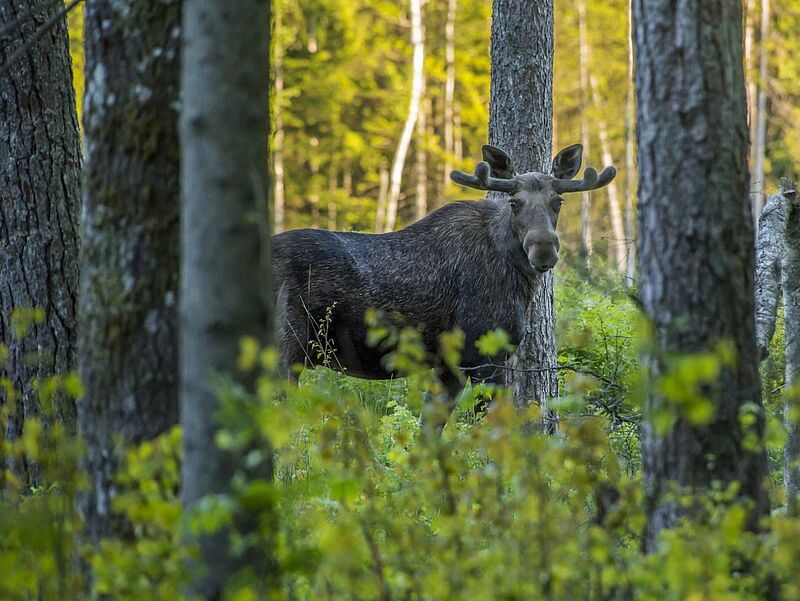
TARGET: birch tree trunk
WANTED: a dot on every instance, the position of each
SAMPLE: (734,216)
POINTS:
(520,122)
(413,112)
(617,228)
(761,114)
(225,282)
(128,347)
(421,166)
(449,88)
(697,289)
(791,317)
(586,197)
(40,162)
(630,179)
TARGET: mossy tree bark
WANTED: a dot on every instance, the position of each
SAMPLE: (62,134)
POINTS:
(130,255)
(520,122)
(696,244)
(40,161)
(225,292)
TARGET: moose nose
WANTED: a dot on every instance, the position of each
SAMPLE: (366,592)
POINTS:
(542,250)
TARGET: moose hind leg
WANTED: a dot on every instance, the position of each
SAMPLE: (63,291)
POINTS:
(439,407)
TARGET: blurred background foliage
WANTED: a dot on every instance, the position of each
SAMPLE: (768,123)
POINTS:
(345,67)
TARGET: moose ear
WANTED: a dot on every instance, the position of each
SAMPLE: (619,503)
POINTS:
(568,162)
(500,162)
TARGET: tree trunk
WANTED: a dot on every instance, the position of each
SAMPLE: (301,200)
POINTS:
(696,244)
(791,317)
(618,243)
(225,281)
(630,180)
(421,166)
(520,122)
(413,111)
(40,181)
(277,152)
(759,147)
(586,197)
(128,355)
(749,73)
(449,88)
(770,248)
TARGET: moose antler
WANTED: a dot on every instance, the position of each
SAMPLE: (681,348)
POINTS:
(483,180)
(591,181)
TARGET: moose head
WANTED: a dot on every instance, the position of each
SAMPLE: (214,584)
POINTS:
(535,198)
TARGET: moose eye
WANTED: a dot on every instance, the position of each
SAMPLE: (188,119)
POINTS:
(516,203)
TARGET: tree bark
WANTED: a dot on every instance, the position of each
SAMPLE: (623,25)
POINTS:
(759,147)
(586,197)
(520,122)
(630,151)
(791,317)
(413,112)
(225,281)
(40,184)
(770,248)
(449,88)
(128,355)
(696,244)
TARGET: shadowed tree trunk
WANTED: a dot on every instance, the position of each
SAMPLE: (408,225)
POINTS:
(520,122)
(40,161)
(225,281)
(413,112)
(421,165)
(791,317)
(695,245)
(277,152)
(128,354)
(586,197)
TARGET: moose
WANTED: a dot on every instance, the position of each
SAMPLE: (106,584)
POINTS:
(471,265)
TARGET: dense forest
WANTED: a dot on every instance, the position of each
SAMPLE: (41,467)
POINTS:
(252,348)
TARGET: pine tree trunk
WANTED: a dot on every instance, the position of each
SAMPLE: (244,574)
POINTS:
(449,88)
(413,112)
(630,179)
(40,161)
(225,281)
(586,197)
(128,353)
(791,315)
(696,244)
(617,246)
(520,122)
(759,146)
(421,165)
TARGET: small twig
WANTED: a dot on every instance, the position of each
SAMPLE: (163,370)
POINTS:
(572,368)
(13,26)
(48,25)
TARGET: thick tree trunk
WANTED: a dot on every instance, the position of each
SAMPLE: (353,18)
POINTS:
(696,243)
(791,315)
(40,161)
(225,282)
(586,197)
(618,254)
(520,122)
(128,354)
(449,88)
(759,146)
(630,151)
(421,165)
(413,112)
(749,73)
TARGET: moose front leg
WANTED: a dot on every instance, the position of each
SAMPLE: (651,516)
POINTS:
(438,407)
